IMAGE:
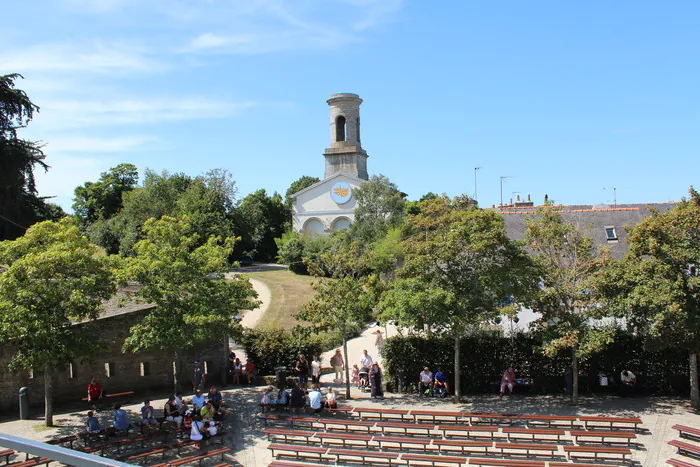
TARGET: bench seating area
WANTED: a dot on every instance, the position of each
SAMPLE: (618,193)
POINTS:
(688,449)
(404,437)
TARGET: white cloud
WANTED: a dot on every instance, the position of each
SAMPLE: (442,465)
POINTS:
(96,144)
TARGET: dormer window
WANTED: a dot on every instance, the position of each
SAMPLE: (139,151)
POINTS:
(610,233)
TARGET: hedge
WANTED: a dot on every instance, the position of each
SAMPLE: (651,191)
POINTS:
(486,356)
(269,348)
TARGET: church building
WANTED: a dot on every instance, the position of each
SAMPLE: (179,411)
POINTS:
(330,204)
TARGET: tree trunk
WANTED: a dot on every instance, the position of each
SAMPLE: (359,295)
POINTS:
(48,397)
(574,376)
(176,370)
(347,367)
(457,388)
(694,391)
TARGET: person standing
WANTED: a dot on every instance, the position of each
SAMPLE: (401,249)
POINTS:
(379,341)
(315,370)
(199,377)
(366,360)
(375,378)
(338,366)
(302,369)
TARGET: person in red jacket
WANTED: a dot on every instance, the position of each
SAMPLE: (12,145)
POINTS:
(95,393)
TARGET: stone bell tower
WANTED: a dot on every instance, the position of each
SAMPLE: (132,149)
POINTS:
(345,154)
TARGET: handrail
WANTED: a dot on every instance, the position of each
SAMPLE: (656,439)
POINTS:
(57,453)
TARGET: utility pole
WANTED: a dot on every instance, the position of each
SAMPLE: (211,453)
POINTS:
(476,169)
(503,177)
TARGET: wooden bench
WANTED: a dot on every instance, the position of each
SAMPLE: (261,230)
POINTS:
(490,417)
(117,394)
(686,449)
(66,439)
(434,415)
(618,437)
(464,446)
(549,449)
(292,464)
(380,413)
(340,409)
(569,464)
(505,462)
(348,425)
(687,432)
(549,420)
(287,434)
(275,418)
(406,427)
(597,451)
(193,459)
(101,448)
(613,422)
(32,462)
(6,453)
(298,451)
(679,463)
(377,457)
(533,433)
(344,439)
(432,460)
(402,441)
(147,454)
(467,430)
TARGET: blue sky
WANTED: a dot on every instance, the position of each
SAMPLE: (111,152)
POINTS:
(567,98)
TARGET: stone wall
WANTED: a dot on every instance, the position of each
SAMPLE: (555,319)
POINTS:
(142,372)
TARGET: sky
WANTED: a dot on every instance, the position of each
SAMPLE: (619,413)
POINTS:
(568,99)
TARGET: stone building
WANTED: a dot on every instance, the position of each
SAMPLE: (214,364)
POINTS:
(116,371)
(329,204)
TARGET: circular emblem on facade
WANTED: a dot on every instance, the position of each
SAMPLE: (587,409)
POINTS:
(341,193)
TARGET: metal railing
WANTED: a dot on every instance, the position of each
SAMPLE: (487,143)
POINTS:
(57,453)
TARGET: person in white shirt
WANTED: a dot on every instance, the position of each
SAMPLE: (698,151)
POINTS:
(366,361)
(198,400)
(315,370)
(331,401)
(212,428)
(315,399)
(628,380)
(425,381)
(197,431)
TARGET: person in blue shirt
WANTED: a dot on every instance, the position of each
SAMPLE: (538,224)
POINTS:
(148,415)
(121,420)
(441,382)
(93,424)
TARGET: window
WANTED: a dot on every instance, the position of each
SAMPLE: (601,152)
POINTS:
(610,233)
(144,368)
(340,128)
(109,369)
(357,128)
(71,371)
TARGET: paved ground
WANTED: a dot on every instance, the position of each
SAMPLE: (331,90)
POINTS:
(249,446)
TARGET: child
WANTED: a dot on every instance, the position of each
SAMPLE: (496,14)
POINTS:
(212,428)
(93,424)
(331,402)
(355,374)
(187,420)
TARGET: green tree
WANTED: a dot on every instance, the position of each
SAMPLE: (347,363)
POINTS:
(260,219)
(566,258)
(656,286)
(296,186)
(54,279)
(290,251)
(103,199)
(460,272)
(342,302)
(379,207)
(19,204)
(182,276)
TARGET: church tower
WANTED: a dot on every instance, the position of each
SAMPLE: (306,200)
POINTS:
(345,155)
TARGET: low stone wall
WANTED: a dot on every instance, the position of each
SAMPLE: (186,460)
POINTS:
(140,372)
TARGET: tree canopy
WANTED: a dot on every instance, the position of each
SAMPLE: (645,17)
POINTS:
(379,207)
(55,278)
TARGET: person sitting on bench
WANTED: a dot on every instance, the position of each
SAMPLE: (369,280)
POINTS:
(315,399)
(297,399)
(95,393)
(425,382)
(208,412)
(197,433)
(331,401)
(121,420)
(507,381)
(628,380)
(93,424)
(442,385)
(212,430)
(148,415)
(171,411)
(198,401)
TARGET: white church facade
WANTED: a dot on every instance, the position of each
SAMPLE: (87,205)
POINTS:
(330,204)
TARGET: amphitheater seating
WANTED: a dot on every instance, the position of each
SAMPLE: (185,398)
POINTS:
(377,457)
(533,433)
(593,421)
(344,439)
(679,463)
(686,449)
(424,459)
(598,452)
(687,432)
(619,437)
(505,462)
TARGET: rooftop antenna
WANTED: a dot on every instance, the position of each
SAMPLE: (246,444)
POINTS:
(614,190)
(503,177)
(476,169)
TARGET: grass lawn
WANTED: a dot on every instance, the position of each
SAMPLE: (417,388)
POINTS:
(289,292)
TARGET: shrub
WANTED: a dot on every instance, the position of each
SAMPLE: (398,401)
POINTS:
(270,348)
(487,355)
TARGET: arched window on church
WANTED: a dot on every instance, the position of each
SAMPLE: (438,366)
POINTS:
(340,128)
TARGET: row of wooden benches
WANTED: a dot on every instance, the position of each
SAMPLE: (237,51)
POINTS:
(490,462)
(449,446)
(683,448)
(322,453)
(447,431)
(588,421)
